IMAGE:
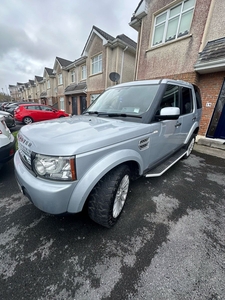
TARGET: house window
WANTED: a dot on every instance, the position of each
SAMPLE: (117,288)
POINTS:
(96,64)
(60,78)
(62,103)
(83,72)
(48,84)
(73,76)
(173,23)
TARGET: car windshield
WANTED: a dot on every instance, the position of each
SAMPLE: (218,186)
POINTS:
(124,101)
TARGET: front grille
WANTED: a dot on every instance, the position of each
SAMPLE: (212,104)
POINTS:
(26,161)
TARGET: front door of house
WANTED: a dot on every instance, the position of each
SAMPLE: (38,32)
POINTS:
(220,129)
(74,105)
(217,125)
(83,103)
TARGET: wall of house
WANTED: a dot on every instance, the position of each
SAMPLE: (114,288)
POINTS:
(111,64)
(214,29)
(175,57)
(96,82)
(128,67)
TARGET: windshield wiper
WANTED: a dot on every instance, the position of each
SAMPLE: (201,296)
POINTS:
(91,112)
(98,113)
(122,115)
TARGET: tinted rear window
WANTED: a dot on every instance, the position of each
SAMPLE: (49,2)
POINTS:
(32,107)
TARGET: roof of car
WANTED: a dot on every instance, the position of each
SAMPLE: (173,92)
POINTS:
(33,103)
(152,81)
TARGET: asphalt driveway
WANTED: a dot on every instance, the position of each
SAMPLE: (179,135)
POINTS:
(168,244)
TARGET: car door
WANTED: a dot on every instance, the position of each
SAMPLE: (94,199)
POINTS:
(188,112)
(165,134)
(32,112)
(47,113)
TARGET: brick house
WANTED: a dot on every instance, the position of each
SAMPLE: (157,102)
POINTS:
(185,39)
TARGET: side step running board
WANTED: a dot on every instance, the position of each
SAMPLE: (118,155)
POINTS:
(162,168)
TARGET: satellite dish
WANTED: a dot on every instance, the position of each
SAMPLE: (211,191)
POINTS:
(115,77)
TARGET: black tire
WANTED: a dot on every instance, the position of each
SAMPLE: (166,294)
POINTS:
(27,120)
(108,197)
(189,147)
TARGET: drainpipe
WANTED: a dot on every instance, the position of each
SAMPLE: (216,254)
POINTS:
(207,25)
(122,62)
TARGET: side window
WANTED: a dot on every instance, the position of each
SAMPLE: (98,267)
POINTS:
(32,107)
(186,101)
(46,108)
(170,97)
(198,97)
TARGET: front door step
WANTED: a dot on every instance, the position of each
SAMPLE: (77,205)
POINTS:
(163,167)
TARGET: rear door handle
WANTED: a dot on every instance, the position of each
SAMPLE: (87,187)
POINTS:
(177,125)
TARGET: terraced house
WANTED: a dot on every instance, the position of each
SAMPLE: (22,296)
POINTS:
(185,39)
(73,85)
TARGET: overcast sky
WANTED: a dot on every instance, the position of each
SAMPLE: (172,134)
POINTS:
(34,32)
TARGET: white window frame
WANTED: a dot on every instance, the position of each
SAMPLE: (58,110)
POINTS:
(62,103)
(48,84)
(83,72)
(96,64)
(60,81)
(167,19)
(73,76)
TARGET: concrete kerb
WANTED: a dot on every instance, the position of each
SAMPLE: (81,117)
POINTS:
(215,147)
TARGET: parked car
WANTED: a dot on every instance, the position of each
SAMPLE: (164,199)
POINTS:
(11,107)
(29,113)
(2,105)
(141,128)
(9,119)
(5,105)
(7,143)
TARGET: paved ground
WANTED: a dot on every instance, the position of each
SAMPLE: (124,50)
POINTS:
(168,244)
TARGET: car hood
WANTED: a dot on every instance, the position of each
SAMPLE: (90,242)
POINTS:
(78,134)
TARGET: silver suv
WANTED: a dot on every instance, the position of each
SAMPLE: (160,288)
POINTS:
(134,129)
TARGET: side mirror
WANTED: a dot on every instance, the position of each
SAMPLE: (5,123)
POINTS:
(169,113)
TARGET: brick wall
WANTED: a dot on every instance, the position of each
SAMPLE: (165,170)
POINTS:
(210,86)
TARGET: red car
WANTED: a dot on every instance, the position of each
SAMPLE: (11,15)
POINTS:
(29,113)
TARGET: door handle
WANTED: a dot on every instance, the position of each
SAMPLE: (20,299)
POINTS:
(194,119)
(177,125)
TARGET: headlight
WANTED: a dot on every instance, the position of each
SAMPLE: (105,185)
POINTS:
(55,167)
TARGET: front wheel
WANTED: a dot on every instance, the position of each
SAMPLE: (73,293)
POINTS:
(27,120)
(108,197)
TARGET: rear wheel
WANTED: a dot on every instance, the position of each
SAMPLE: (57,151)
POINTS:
(108,197)
(189,147)
(27,120)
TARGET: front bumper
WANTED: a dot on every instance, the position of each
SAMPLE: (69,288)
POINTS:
(49,196)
